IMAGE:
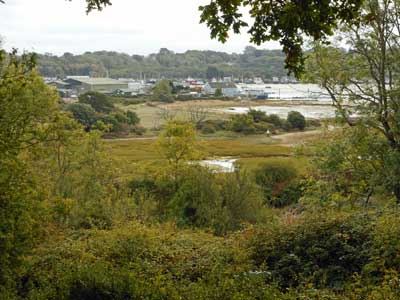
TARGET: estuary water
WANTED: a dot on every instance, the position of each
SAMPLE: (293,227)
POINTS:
(308,111)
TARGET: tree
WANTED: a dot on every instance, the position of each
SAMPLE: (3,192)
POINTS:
(363,81)
(162,91)
(218,92)
(27,108)
(83,113)
(296,120)
(133,118)
(177,144)
(101,103)
(286,21)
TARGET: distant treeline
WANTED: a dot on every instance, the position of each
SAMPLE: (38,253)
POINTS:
(194,63)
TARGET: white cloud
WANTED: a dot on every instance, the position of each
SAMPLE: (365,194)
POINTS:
(141,27)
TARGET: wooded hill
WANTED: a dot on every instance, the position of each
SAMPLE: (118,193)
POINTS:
(192,63)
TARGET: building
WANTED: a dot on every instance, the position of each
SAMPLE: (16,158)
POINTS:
(256,91)
(229,89)
(83,84)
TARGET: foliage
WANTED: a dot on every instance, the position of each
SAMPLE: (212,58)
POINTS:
(26,108)
(357,163)
(285,21)
(242,123)
(365,77)
(177,145)
(276,182)
(296,120)
(95,111)
(99,102)
(218,201)
(162,91)
(257,121)
(218,92)
(192,63)
(211,126)
(83,113)
(325,250)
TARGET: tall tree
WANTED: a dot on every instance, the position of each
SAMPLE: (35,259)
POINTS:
(177,144)
(162,91)
(365,80)
(27,107)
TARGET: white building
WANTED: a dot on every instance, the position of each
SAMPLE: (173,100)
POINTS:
(229,89)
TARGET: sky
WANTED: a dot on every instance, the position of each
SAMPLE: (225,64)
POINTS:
(129,26)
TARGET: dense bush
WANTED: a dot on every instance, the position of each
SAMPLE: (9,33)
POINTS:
(202,198)
(96,111)
(242,124)
(296,120)
(257,121)
(325,250)
(274,119)
(211,126)
(278,183)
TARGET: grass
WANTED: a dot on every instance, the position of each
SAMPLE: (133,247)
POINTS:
(301,164)
(133,155)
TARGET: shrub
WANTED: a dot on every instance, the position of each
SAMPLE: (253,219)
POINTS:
(263,127)
(273,178)
(133,118)
(242,123)
(196,202)
(216,124)
(296,120)
(257,115)
(325,250)
(274,119)
(289,195)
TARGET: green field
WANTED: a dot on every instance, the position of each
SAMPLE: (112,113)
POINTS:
(251,152)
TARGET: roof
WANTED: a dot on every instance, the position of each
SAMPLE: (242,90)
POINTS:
(60,82)
(222,85)
(94,81)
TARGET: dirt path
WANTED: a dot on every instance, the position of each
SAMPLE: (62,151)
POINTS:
(295,138)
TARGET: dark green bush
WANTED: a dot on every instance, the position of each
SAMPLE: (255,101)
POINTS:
(257,115)
(289,195)
(321,249)
(274,179)
(83,113)
(296,120)
(274,119)
(242,124)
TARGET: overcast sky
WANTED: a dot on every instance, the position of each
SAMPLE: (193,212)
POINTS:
(133,27)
